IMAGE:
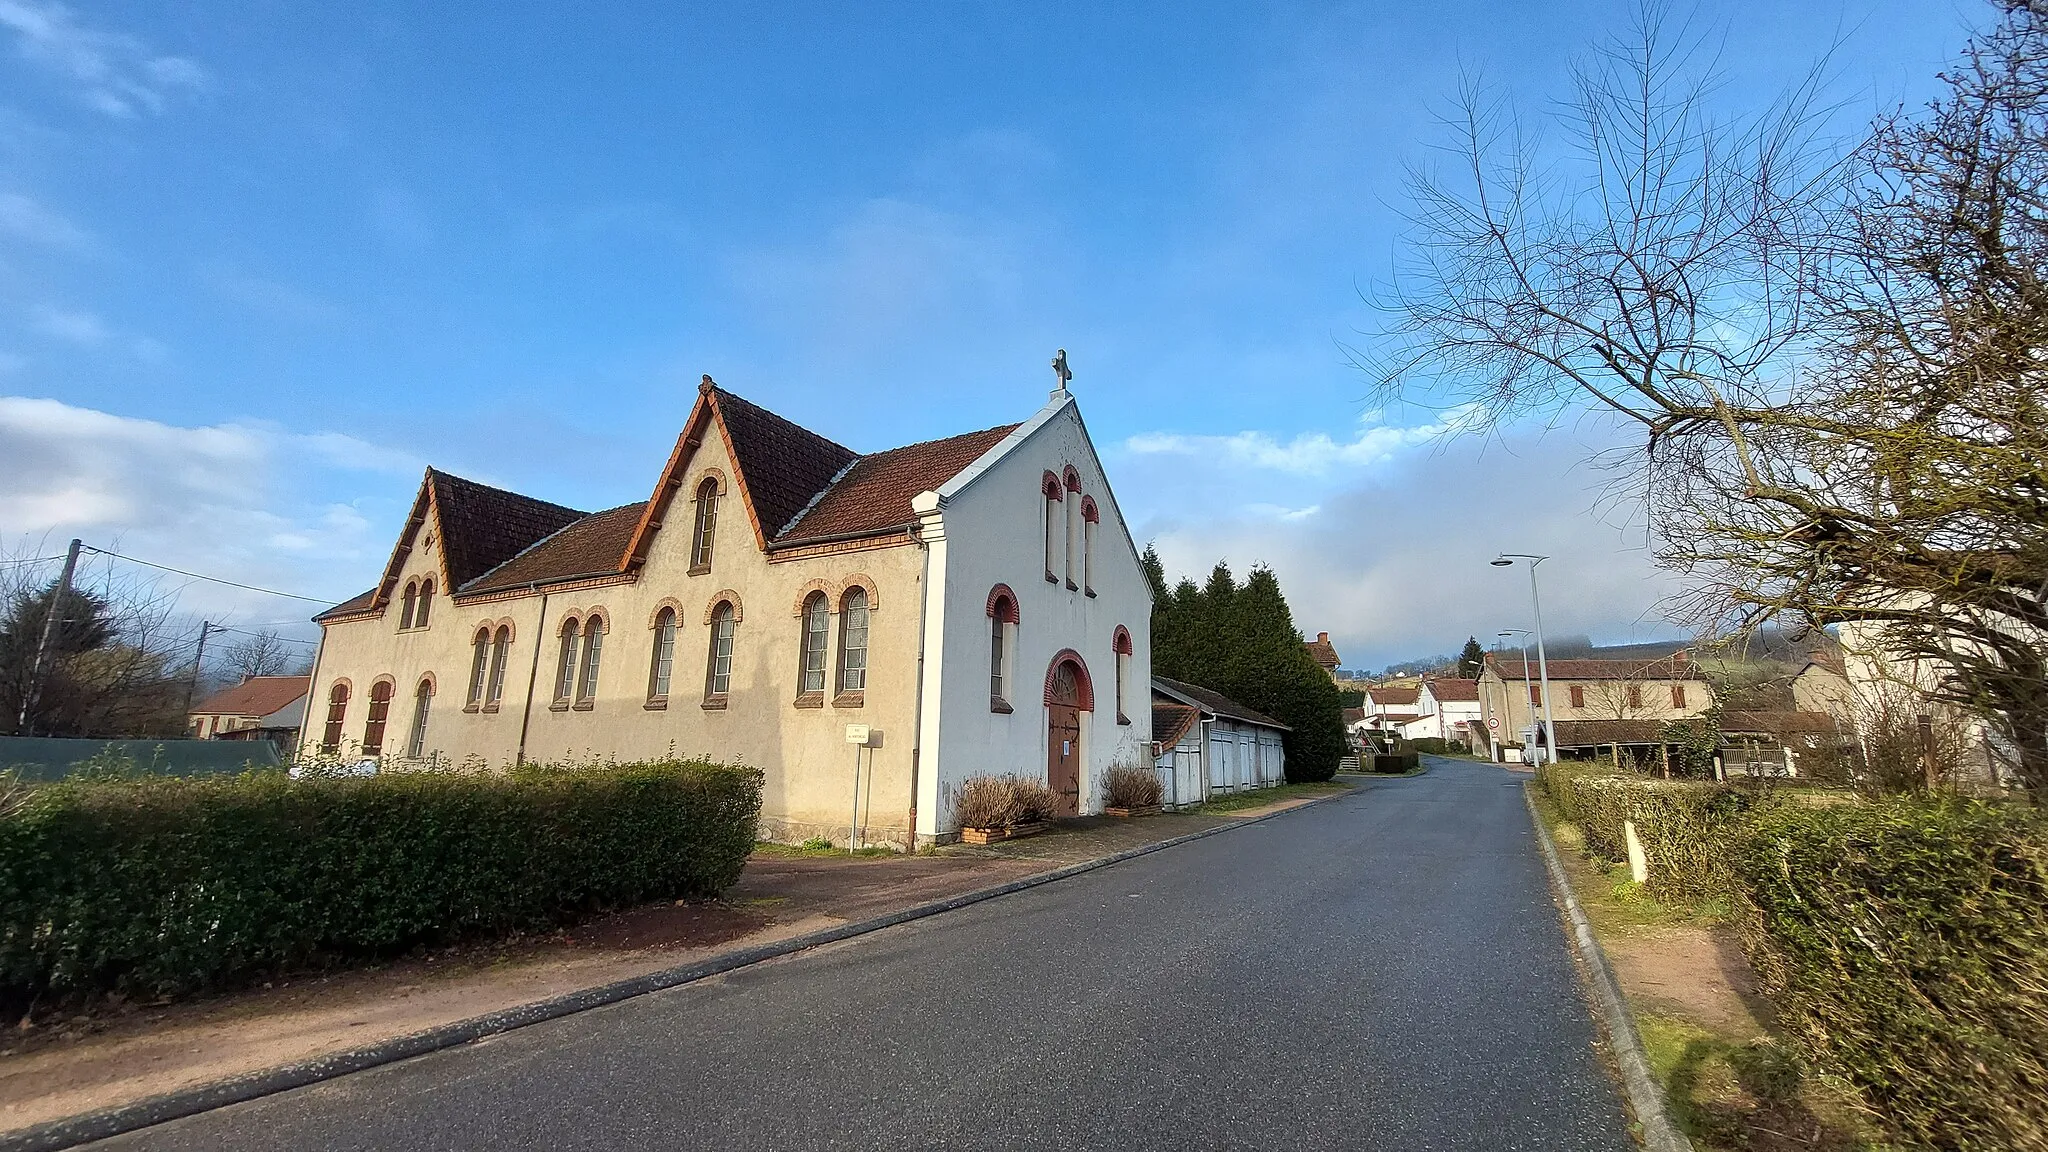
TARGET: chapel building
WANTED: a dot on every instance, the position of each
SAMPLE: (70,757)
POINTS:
(975,602)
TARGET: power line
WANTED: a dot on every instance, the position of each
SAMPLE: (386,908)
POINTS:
(264,635)
(213,579)
(30,560)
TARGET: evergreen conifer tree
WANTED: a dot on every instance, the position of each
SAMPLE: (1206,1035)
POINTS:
(1471,659)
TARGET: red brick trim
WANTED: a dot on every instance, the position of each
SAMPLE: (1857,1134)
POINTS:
(1051,486)
(866,583)
(1082,682)
(669,603)
(1072,478)
(997,596)
(810,588)
(1088,511)
(1120,643)
(723,596)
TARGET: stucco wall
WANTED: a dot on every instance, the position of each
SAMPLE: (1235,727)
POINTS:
(993,534)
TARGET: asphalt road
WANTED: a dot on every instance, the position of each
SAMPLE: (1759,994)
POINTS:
(1381,971)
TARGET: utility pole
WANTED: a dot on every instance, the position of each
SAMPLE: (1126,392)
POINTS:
(35,675)
(198,659)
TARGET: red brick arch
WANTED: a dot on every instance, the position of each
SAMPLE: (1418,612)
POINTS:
(1121,642)
(1072,477)
(1051,486)
(998,596)
(1088,511)
(1082,681)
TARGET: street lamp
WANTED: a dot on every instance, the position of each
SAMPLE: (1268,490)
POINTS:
(1524,633)
(1542,662)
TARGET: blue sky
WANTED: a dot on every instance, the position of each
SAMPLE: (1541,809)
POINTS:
(260,263)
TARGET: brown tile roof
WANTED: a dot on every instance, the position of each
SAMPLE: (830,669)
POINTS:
(1663,669)
(1353,715)
(1214,703)
(1171,720)
(1455,689)
(1325,653)
(1829,659)
(783,466)
(1393,695)
(257,696)
(591,546)
(874,494)
(359,602)
(482,527)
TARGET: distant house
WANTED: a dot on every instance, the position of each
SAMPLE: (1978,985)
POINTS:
(1325,653)
(1388,708)
(1204,743)
(269,708)
(1511,695)
(1752,743)
(1446,708)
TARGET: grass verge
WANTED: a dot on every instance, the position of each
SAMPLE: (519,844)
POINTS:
(1729,1086)
(813,849)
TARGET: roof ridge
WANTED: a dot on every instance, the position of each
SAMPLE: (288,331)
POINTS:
(1010,427)
(816,499)
(447,475)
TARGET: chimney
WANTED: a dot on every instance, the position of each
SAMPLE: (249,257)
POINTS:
(1679,657)
(1322,637)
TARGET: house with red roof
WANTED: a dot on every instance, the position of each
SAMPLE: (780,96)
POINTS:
(974,604)
(259,708)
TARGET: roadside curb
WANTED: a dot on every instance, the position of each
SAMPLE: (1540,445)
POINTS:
(89,1126)
(1645,1096)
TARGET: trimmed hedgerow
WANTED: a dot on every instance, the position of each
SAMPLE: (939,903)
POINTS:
(166,886)
(1906,945)
(1687,828)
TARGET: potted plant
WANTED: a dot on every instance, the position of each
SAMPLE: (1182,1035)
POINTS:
(997,808)
(1129,791)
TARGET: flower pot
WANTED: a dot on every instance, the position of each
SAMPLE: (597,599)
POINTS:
(984,835)
(1019,831)
(1127,813)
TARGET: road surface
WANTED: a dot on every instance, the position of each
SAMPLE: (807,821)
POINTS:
(1383,971)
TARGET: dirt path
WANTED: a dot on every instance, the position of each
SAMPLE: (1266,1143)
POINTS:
(130,1052)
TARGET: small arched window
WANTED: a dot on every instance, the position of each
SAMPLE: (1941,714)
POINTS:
(1120,644)
(412,593)
(501,649)
(1054,524)
(565,664)
(1002,645)
(707,525)
(479,666)
(664,660)
(419,618)
(337,712)
(1089,518)
(811,652)
(593,655)
(416,741)
(1073,538)
(853,641)
(380,711)
(718,665)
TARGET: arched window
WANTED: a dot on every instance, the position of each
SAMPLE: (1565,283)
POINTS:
(707,524)
(1002,635)
(1073,542)
(1120,644)
(479,665)
(1053,523)
(853,641)
(412,593)
(1089,518)
(501,648)
(565,664)
(718,665)
(664,656)
(419,618)
(380,711)
(593,654)
(810,679)
(416,741)
(337,712)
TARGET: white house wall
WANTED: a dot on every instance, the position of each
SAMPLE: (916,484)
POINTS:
(982,547)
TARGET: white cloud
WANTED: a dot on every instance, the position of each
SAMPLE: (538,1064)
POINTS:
(116,74)
(73,327)
(1310,454)
(25,219)
(234,500)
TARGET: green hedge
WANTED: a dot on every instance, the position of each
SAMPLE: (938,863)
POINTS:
(1906,944)
(1688,829)
(167,886)
(1395,762)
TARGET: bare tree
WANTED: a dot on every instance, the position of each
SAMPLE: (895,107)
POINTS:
(262,653)
(1835,360)
(111,669)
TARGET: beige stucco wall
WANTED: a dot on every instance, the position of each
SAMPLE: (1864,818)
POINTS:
(1605,700)
(802,751)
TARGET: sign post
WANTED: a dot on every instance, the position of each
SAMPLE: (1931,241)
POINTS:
(856,735)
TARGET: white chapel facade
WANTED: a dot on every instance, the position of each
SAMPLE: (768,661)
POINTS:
(975,601)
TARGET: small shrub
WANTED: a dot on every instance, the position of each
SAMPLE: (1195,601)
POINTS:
(986,802)
(1036,802)
(1396,763)
(816,844)
(1125,786)
(1434,745)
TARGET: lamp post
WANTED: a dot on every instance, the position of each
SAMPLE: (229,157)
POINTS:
(1542,662)
(1524,633)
